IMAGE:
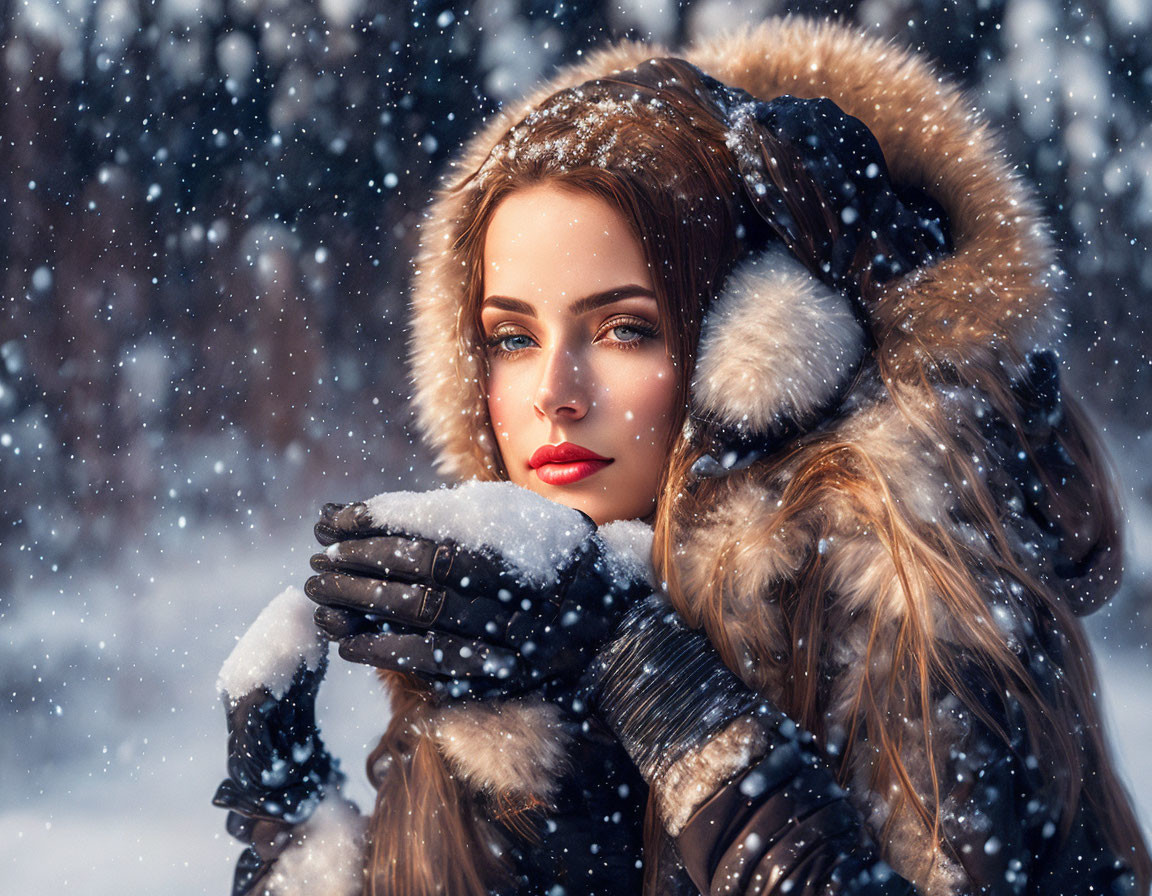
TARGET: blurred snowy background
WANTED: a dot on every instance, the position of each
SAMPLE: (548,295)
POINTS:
(206,222)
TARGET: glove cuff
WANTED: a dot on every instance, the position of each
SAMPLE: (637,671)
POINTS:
(625,553)
(282,638)
(326,854)
(662,689)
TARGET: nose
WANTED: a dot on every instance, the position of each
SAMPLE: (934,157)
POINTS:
(561,393)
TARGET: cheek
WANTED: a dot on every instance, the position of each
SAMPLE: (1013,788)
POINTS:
(649,405)
(507,401)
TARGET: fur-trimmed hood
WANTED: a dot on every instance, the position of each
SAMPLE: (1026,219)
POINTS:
(777,342)
(989,301)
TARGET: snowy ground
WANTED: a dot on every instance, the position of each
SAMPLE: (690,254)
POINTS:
(105,780)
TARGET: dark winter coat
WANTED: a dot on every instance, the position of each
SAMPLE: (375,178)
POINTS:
(737,826)
(989,302)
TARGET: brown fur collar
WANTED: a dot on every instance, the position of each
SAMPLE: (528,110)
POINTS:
(517,749)
(988,302)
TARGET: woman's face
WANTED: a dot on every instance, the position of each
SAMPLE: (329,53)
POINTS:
(581,391)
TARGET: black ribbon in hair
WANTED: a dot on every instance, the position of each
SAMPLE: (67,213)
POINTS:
(818,179)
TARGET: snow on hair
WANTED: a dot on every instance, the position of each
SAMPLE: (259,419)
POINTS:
(776,346)
(282,637)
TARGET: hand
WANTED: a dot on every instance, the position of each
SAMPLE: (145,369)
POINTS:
(278,771)
(277,764)
(486,588)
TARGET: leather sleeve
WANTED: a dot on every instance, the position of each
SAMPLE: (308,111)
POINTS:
(774,820)
(782,826)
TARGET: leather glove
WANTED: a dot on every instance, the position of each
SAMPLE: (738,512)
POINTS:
(278,768)
(490,590)
(484,589)
(277,765)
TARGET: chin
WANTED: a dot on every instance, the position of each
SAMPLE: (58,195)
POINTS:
(600,507)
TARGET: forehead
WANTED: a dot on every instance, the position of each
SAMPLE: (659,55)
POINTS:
(545,243)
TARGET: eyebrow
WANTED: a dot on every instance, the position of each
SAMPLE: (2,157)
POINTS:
(580,306)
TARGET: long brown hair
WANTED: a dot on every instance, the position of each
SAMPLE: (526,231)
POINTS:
(623,139)
(941,585)
(830,484)
(650,143)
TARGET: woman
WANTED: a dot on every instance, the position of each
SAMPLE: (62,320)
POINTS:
(879,510)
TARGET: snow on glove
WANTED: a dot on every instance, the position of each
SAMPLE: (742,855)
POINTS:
(485,588)
(278,768)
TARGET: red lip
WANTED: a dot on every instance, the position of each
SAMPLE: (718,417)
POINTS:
(564,453)
(565,463)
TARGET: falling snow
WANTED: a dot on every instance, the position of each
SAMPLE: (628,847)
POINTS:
(210,223)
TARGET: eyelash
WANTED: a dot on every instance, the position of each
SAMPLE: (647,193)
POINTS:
(638,325)
(495,344)
(645,330)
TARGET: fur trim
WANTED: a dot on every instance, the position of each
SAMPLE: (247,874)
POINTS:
(517,748)
(737,536)
(697,776)
(628,551)
(326,855)
(281,640)
(906,844)
(776,348)
(990,301)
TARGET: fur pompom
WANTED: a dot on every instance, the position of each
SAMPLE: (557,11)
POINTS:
(777,347)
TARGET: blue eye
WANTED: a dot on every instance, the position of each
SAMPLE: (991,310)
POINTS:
(628,333)
(515,342)
(505,343)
